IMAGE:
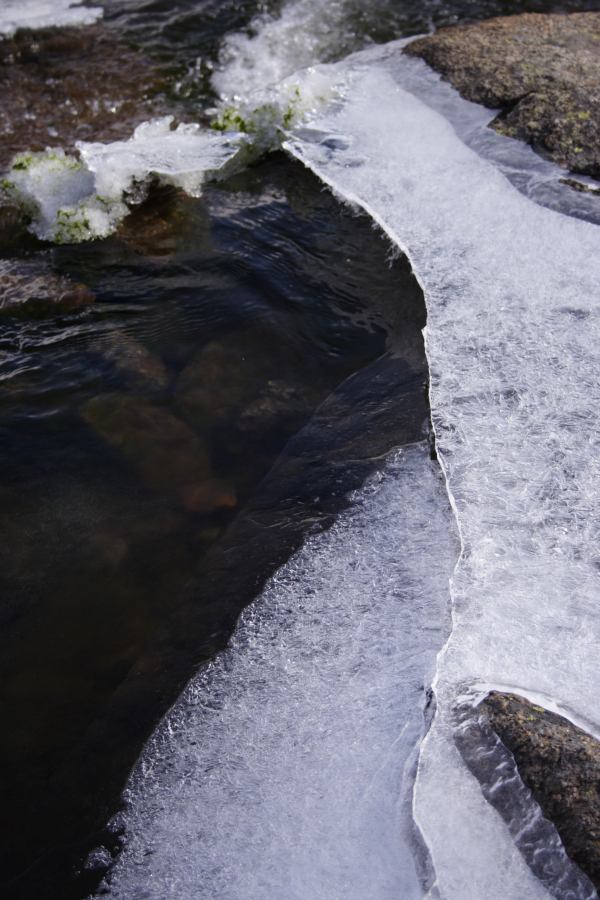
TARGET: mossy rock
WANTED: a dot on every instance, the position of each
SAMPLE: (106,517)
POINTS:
(541,71)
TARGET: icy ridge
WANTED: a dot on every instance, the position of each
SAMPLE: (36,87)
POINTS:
(513,296)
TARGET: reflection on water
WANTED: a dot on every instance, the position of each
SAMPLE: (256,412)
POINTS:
(249,358)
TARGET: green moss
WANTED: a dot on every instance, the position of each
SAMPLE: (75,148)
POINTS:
(22,162)
(288,117)
(103,201)
(72,227)
(229,119)
(267,115)
(25,161)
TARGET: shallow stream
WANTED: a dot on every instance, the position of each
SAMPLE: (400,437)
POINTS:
(242,414)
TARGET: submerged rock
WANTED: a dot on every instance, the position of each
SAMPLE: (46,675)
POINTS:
(168,455)
(137,364)
(30,289)
(72,84)
(248,380)
(560,764)
(543,71)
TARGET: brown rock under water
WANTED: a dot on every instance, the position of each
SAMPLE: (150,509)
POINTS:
(248,377)
(28,288)
(140,367)
(560,764)
(60,86)
(168,456)
(543,71)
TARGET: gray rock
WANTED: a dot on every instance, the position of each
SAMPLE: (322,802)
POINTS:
(560,764)
(543,71)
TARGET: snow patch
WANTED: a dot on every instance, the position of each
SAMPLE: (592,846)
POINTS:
(17,14)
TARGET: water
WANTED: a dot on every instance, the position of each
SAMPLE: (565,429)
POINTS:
(253,355)
(231,318)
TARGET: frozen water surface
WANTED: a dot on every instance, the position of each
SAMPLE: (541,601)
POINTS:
(285,771)
(71,199)
(513,338)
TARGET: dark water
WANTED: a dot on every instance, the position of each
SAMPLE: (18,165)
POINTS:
(251,357)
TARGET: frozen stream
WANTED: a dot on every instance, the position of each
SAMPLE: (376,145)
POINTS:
(299,764)
(303,758)
(286,769)
(513,297)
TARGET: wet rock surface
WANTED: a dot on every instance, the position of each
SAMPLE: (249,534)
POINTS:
(542,71)
(60,86)
(560,764)
(28,288)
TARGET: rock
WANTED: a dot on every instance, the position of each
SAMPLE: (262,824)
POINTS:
(248,380)
(156,228)
(166,453)
(543,71)
(99,860)
(72,84)
(206,496)
(28,288)
(560,764)
(277,399)
(13,229)
(581,187)
(141,368)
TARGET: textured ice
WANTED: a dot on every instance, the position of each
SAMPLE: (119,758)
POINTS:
(513,343)
(15,14)
(71,199)
(285,771)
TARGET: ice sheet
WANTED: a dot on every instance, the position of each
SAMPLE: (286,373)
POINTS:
(286,769)
(513,342)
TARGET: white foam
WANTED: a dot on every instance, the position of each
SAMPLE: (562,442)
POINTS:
(513,342)
(285,769)
(274,47)
(16,14)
